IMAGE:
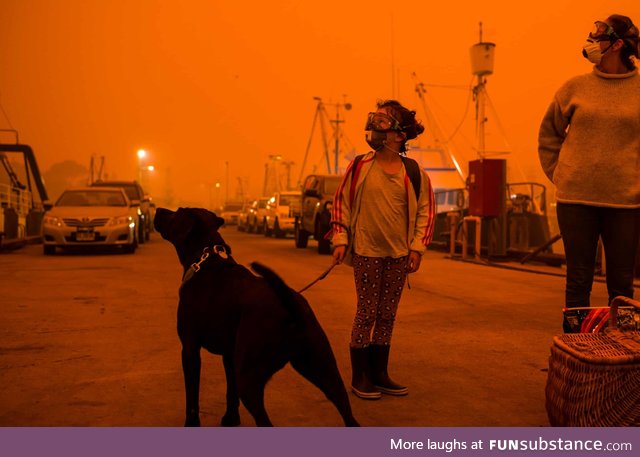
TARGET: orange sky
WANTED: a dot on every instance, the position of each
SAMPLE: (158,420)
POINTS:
(201,83)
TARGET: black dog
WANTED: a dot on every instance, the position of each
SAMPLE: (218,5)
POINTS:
(256,324)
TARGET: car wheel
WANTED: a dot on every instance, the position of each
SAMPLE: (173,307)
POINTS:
(301,235)
(48,249)
(265,229)
(130,248)
(324,245)
(277,231)
(141,231)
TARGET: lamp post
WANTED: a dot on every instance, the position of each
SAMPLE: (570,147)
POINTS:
(217,199)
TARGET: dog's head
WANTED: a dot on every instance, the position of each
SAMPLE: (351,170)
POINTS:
(190,230)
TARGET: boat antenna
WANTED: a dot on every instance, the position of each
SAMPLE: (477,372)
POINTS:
(393,60)
(482,56)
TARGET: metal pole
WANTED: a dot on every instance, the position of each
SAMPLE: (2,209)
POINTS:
(266,177)
(313,126)
(226,187)
(335,163)
(481,115)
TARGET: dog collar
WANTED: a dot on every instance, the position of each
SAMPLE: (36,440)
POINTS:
(217,249)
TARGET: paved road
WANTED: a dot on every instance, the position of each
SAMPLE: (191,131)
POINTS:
(90,340)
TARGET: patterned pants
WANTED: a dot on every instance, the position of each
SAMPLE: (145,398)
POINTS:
(379,284)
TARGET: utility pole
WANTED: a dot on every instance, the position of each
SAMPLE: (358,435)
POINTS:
(336,132)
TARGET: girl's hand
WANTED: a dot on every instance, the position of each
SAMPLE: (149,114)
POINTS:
(339,253)
(413,261)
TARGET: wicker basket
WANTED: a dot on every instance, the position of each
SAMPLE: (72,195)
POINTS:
(594,378)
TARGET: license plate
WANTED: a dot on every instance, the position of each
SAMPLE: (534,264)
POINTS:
(85,236)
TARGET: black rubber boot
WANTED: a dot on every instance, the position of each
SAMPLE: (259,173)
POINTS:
(360,383)
(379,376)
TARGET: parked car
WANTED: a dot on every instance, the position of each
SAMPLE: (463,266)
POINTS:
(280,215)
(230,212)
(315,215)
(136,195)
(243,216)
(91,216)
(256,215)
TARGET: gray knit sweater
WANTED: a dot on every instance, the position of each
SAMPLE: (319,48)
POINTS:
(589,141)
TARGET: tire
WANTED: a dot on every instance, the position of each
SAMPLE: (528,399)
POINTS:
(130,248)
(324,246)
(301,235)
(141,230)
(48,249)
(276,230)
(265,229)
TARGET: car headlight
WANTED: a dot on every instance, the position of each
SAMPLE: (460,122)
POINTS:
(52,220)
(121,220)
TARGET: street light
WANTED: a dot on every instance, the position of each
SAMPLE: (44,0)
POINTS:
(141,155)
(218,202)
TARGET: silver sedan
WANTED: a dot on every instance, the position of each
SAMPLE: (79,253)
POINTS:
(88,217)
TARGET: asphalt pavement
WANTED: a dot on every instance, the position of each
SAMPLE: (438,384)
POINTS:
(90,340)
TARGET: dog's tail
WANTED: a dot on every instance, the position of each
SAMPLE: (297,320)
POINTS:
(289,298)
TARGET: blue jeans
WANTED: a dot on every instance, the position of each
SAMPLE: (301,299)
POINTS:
(581,226)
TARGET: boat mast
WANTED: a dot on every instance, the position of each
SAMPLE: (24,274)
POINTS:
(482,55)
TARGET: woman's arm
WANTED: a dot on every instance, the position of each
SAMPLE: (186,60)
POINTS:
(553,131)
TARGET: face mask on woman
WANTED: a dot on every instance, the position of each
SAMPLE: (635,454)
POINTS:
(591,51)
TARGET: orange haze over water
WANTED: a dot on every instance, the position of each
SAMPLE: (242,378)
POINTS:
(210,87)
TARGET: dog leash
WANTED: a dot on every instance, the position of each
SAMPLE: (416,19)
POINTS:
(319,278)
(217,249)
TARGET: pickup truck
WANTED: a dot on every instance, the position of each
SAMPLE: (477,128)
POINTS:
(280,212)
(315,214)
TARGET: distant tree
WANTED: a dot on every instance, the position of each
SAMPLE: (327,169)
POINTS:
(63,175)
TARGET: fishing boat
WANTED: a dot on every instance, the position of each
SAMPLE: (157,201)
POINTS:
(23,196)
(512,215)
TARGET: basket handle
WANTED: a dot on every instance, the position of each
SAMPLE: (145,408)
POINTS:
(613,313)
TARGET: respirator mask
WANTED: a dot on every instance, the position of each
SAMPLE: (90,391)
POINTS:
(591,49)
(376,128)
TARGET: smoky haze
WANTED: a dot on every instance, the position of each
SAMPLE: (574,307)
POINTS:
(212,89)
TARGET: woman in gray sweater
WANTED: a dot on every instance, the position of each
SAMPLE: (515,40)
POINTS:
(589,146)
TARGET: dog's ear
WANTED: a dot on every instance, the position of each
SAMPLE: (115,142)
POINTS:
(208,218)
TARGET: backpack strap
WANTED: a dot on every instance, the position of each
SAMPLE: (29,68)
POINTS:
(354,168)
(413,170)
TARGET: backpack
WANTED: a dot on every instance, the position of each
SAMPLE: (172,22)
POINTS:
(412,167)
